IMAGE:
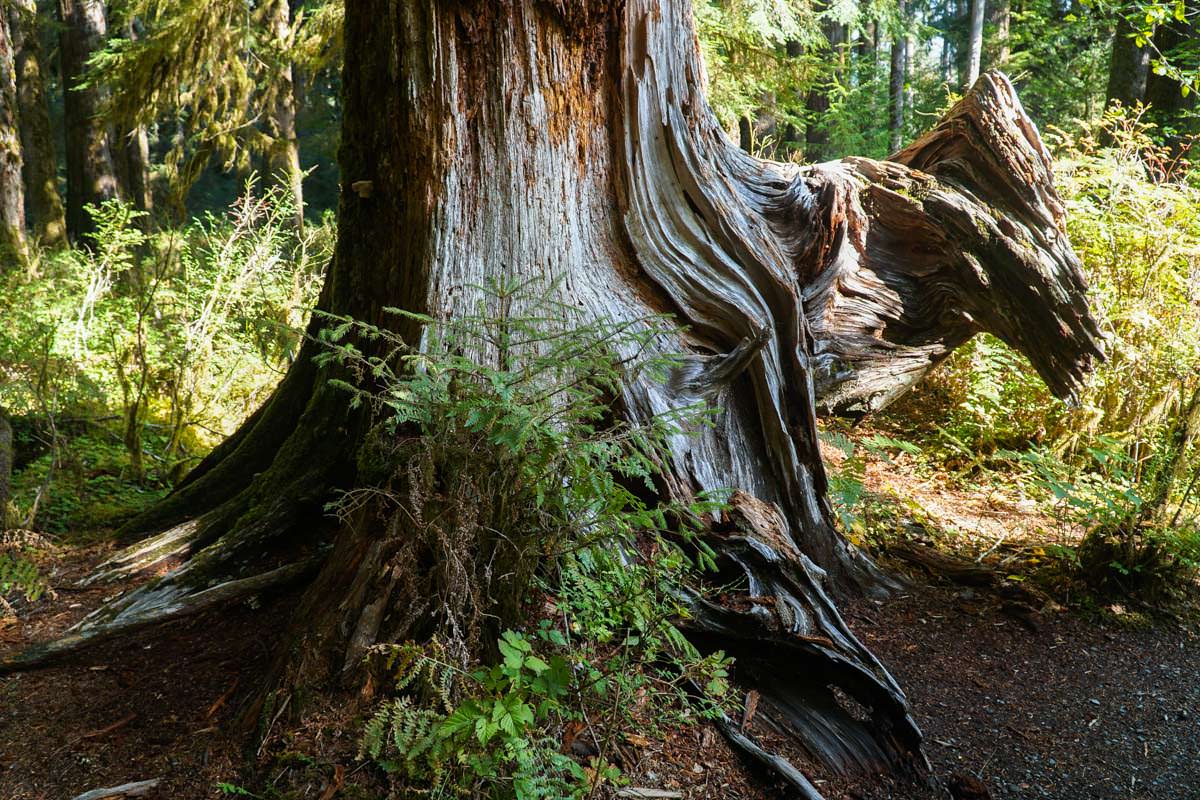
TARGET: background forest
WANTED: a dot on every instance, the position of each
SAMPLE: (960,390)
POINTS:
(170,179)
(168,196)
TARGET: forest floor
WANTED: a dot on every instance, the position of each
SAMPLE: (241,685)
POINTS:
(1023,700)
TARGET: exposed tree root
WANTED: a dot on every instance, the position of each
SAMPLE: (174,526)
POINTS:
(153,608)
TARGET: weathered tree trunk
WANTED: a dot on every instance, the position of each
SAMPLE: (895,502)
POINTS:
(285,149)
(974,43)
(1128,67)
(574,144)
(896,77)
(12,195)
(91,173)
(40,167)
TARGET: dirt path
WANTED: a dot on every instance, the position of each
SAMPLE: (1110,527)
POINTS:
(1073,710)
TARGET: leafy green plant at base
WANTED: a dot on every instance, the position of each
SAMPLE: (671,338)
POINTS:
(847,480)
(19,573)
(1125,552)
(496,443)
(494,734)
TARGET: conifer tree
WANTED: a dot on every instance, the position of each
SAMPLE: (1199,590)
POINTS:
(39,160)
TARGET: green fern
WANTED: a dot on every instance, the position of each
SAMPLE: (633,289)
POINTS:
(19,574)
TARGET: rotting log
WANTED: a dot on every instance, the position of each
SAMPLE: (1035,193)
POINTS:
(571,142)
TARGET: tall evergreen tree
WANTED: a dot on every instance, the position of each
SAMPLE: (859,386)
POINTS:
(896,77)
(40,163)
(91,171)
(12,196)
(281,119)
(1128,66)
(1001,18)
(1170,87)
(224,69)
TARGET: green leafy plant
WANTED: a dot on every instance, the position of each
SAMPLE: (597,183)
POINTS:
(496,442)
(19,573)
(1127,551)
(485,729)
(847,479)
(154,343)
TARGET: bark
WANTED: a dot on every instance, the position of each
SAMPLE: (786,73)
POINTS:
(284,159)
(130,148)
(6,465)
(573,143)
(40,165)
(1128,67)
(816,136)
(91,171)
(133,151)
(958,40)
(1001,18)
(868,41)
(896,78)
(12,195)
(974,43)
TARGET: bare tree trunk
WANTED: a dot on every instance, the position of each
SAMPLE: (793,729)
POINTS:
(816,136)
(1128,67)
(868,41)
(12,195)
(285,151)
(136,154)
(576,147)
(1001,17)
(40,168)
(974,44)
(958,37)
(91,172)
(746,134)
(131,157)
(896,78)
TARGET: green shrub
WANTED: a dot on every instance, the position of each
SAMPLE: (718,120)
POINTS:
(497,444)
(19,573)
(1114,465)
(159,343)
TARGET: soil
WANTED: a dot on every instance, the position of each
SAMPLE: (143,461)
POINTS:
(1045,705)
(1057,707)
